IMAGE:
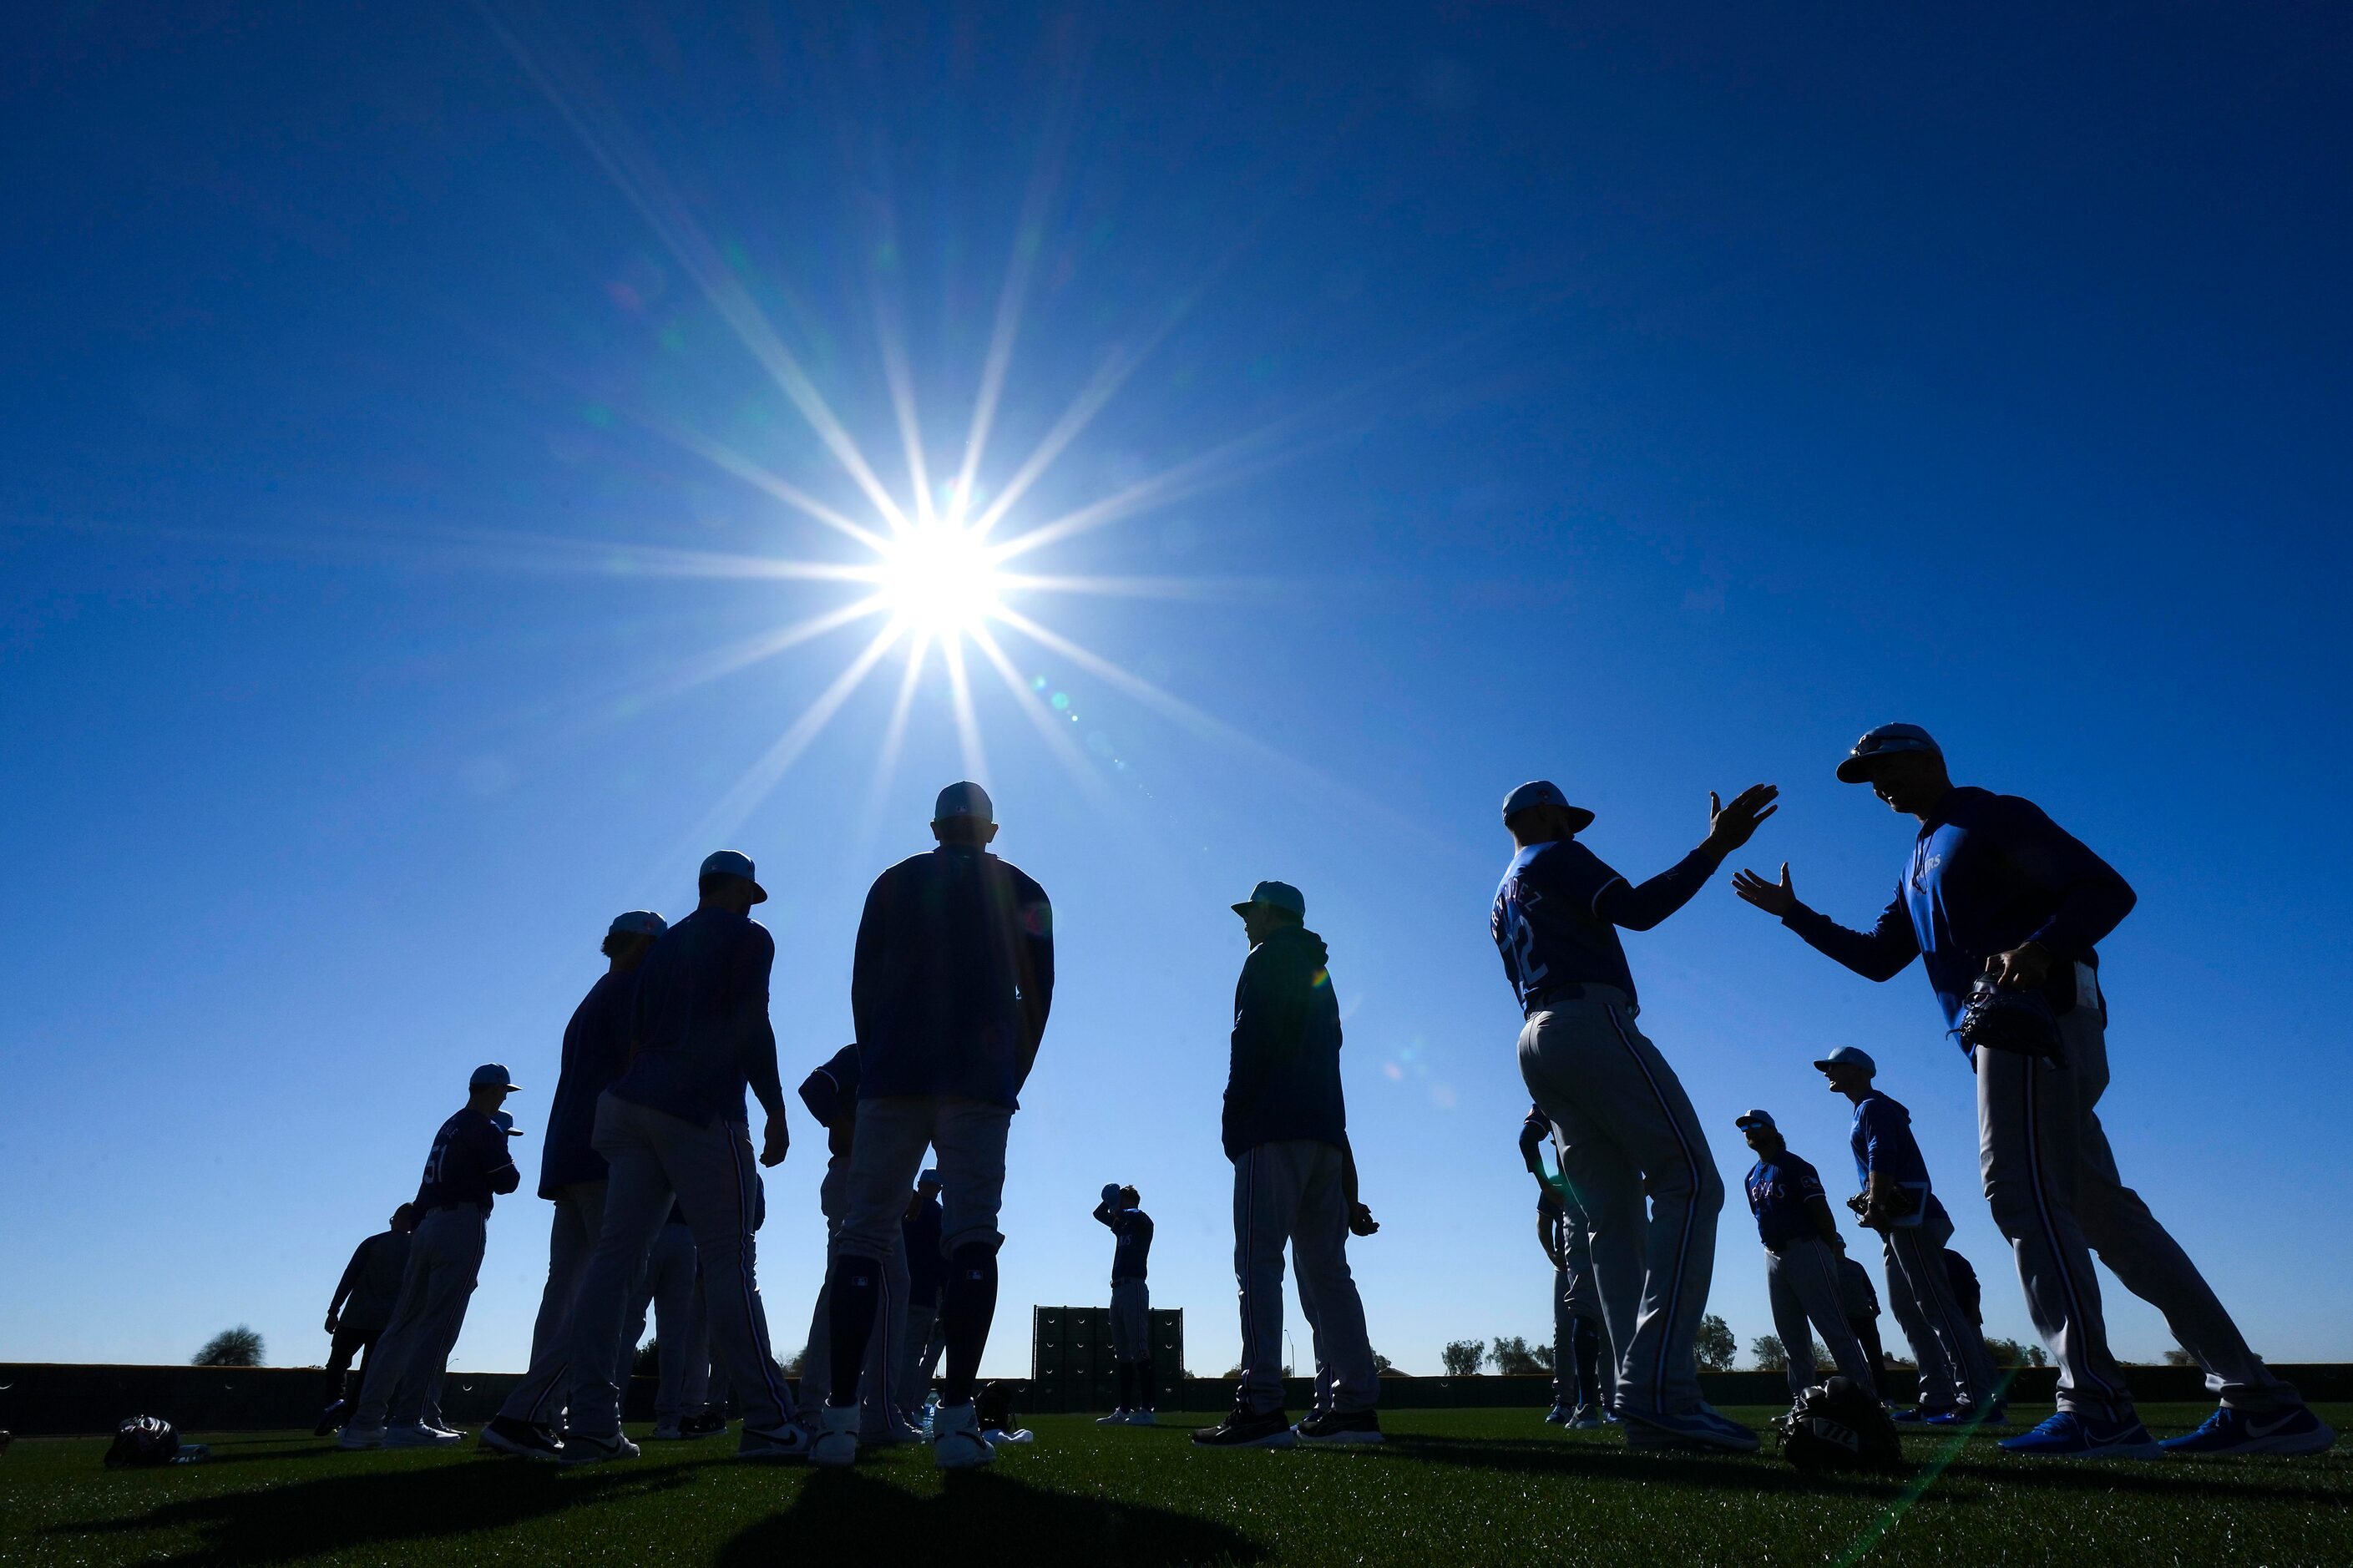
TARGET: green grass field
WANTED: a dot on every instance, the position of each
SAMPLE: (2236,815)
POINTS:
(1452,1486)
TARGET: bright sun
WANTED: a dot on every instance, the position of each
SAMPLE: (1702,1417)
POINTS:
(940,580)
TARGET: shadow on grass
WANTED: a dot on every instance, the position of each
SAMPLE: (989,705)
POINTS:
(864,1519)
(1612,1462)
(334,1513)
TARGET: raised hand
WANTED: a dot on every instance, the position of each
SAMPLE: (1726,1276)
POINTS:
(1729,827)
(1776,899)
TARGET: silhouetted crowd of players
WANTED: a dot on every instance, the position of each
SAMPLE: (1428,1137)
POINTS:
(653,1175)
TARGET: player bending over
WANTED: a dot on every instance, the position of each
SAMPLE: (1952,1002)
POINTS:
(1802,1253)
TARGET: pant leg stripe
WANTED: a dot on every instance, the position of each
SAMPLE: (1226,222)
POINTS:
(754,1322)
(1691,1211)
(1242,1274)
(1940,1297)
(2077,1319)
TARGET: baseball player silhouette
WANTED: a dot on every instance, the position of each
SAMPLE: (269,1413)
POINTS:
(1995,891)
(1580,1389)
(1802,1252)
(360,1308)
(1130,1304)
(1630,1148)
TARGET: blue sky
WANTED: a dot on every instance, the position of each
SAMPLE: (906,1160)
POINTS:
(1649,399)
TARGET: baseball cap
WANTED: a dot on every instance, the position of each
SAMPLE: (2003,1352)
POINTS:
(491,1073)
(506,1124)
(930,1178)
(1275,895)
(1884,742)
(1748,1118)
(1850,1056)
(732,863)
(1544,792)
(639,922)
(964,799)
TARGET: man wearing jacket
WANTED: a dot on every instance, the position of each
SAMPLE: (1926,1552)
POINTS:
(572,1177)
(360,1308)
(950,987)
(1286,1130)
(1995,888)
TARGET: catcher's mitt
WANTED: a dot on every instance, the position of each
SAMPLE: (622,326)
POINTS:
(142,1442)
(2020,1022)
(1897,1204)
(1835,1425)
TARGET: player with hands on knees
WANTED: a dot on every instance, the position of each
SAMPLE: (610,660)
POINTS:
(1631,1145)
(2005,910)
(1802,1253)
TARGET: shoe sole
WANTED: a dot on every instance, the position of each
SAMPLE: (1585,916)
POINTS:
(498,1443)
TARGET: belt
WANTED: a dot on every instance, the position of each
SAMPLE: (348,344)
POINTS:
(1552,996)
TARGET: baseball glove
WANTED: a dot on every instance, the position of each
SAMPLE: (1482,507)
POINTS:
(143,1442)
(1835,1425)
(2020,1022)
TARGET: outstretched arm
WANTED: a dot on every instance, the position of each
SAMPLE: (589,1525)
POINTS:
(1728,828)
(1879,954)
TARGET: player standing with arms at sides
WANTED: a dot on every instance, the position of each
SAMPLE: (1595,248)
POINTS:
(1802,1252)
(1898,1200)
(830,1092)
(952,981)
(1579,1395)
(1286,1130)
(1995,888)
(362,1307)
(469,1164)
(1626,1128)
(919,1228)
(1130,1304)
(674,1128)
(572,1177)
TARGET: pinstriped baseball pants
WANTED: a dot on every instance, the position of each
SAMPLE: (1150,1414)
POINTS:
(1290,1192)
(1629,1140)
(1801,1281)
(1922,1286)
(2052,1181)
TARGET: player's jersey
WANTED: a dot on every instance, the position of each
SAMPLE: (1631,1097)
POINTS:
(952,977)
(700,1024)
(1132,1250)
(830,1091)
(1778,1190)
(469,1164)
(372,1280)
(1882,1141)
(1546,926)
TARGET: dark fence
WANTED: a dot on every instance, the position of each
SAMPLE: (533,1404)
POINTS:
(52,1399)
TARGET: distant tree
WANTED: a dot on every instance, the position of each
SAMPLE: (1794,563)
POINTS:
(2009,1352)
(1513,1354)
(796,1363)
(2037,1356)
(1462,1357)
(2177,1356)
(1766,1351)
(1715,1347)
(1382,1366)
(239,1346)
(647,1362)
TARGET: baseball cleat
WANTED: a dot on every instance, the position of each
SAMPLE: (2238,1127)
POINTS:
(505,1434)
(1335,1426)
(1702,1427)
(1923,1414)
(455,1434)
(1142,1418)
(331,1419)
(2295,1430)
(361,1437)
(786,1443)
(1559,1415)
(1967,1416)
(710,1423)
(419,1437)
(582,1449)
(956,1440)
(1586,1419)
(1248,1429)
(835,1444)
(1116,1418)
(2067,1435)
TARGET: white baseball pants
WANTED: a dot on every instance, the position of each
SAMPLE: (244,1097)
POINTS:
(1291,1193)
(403,1370)
(1921,1284)
(1628,1136)
(879,1390)
(2052,1181)
(1801,1282)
